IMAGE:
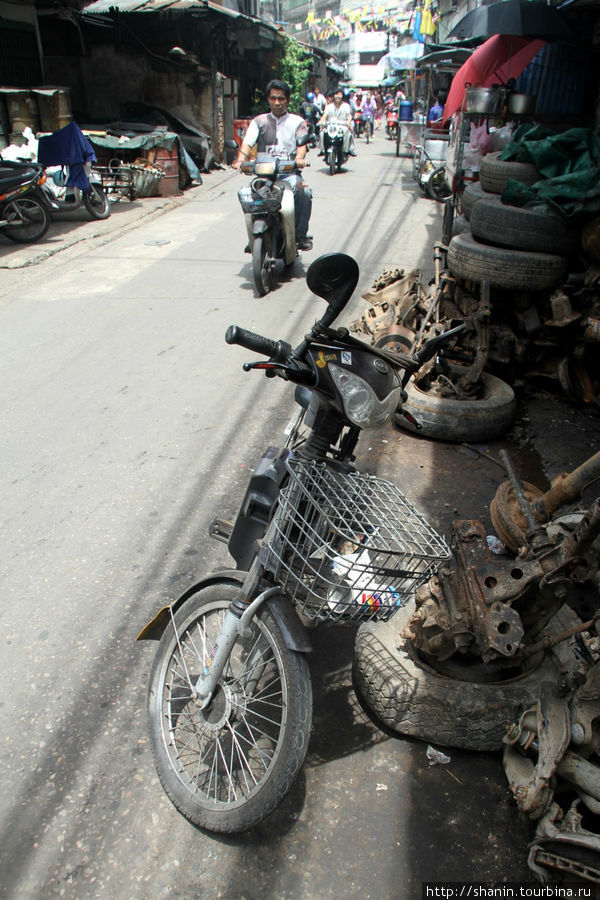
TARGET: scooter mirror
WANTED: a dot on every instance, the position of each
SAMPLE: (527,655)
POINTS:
(304,139)
(333,277)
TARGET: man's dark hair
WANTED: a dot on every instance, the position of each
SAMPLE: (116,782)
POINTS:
(277,85)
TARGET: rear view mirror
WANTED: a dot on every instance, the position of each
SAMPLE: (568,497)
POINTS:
(333,277)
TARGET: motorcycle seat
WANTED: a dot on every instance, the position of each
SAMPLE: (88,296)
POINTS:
(11,177)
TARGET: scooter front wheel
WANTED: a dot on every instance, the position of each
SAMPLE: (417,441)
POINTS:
(262,264)
(332,161)
(228,766)
(96,202)
(28,220)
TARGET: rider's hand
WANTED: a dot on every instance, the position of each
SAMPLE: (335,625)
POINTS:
(301,162)
(236,164)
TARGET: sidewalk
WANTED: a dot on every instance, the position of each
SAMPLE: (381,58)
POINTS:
(68,229)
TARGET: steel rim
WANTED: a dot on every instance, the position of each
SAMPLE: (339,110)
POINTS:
(223,755)
(26,217)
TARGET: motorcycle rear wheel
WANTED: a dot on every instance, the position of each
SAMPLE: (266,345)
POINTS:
(96,202)
(29,220)
(262,264)
(229,766)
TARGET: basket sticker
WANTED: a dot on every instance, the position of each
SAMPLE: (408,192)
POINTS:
(347,357)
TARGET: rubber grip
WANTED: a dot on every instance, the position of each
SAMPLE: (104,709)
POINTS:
(251,341)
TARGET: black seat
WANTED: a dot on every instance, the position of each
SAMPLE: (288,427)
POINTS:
(13,174)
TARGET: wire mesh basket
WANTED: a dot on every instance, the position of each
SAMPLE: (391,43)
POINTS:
(348,546)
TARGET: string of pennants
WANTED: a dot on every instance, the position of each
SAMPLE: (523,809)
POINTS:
(402,17)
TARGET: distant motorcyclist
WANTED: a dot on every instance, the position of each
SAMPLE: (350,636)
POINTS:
(275,134)
(339,111)
(310,112)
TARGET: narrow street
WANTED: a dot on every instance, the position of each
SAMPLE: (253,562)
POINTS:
(129,424)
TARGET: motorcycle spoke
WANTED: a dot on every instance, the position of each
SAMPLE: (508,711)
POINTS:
(224,758)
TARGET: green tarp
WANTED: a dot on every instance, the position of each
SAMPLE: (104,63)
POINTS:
(569,163)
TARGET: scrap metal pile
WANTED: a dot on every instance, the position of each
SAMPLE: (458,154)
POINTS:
(547,339)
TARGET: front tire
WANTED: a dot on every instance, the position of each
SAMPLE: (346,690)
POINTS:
(227,767)
(31,221)
(96,202)
(262,264)
(332,161)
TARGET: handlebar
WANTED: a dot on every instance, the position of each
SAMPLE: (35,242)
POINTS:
(281,352)
(278,351)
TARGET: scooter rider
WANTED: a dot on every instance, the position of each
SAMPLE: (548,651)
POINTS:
(340,112)
(275,134)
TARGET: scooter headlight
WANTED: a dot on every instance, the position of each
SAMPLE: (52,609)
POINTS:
(361,405)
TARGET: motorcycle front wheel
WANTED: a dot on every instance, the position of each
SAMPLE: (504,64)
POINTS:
(228,766)
(262,265)
(28,220)
(332,161)
(96,202)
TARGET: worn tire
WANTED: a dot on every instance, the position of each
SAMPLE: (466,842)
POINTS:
(495,172)
(96,202)
(228,767)
(495,222)
(471,194)
(510,269)
(447,419)
(414,700)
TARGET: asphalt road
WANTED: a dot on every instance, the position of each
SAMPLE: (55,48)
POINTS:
(128,424)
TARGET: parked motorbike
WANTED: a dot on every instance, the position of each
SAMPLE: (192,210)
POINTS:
(62,196)
(24,210)
(230,698)
(391,122)
(270,216)
(334,138)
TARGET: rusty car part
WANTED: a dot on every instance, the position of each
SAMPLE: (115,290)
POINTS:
(550,749)
(561,843)
(506,509)
(395,337)
(546,731)
(492,607)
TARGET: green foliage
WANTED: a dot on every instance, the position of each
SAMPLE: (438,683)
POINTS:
(294,67)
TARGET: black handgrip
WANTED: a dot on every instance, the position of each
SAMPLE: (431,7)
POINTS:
(279,351)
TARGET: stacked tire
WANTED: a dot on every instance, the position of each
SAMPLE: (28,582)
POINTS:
(507,246)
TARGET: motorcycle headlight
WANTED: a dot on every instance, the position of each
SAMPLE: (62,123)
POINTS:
(265,168)
(332,130)
(361,405)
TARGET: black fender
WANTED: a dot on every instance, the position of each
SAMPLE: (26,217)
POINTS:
(294,632)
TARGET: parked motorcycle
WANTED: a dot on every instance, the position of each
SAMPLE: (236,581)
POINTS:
(62,196)
(269,211)
(24,211)
(334,138)
(230,698)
